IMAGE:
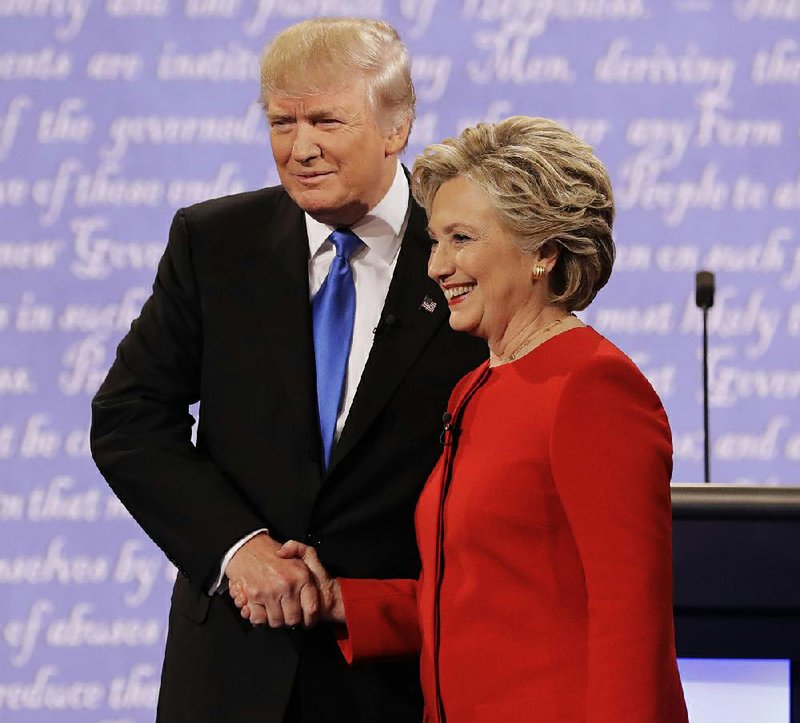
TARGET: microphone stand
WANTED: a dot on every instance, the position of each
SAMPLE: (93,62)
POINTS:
(704,298)
(706,452)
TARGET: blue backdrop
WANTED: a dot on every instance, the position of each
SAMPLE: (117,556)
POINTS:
(113,113)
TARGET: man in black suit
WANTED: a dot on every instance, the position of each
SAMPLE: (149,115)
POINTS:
(229,323)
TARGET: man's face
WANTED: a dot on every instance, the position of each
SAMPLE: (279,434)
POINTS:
(332,158)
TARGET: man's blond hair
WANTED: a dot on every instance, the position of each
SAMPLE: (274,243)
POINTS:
(314,55)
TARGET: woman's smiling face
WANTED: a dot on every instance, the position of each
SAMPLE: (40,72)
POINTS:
(483,271)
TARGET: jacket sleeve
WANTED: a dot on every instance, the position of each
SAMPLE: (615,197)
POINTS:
(141,426)
(381,617)
(611,456)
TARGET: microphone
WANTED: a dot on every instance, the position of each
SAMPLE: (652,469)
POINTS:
(704,289)
(704,298)
(446,419)
(384,325)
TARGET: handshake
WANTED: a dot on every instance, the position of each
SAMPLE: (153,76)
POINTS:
(282,585)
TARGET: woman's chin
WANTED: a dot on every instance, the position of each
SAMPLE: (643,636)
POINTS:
(458,323)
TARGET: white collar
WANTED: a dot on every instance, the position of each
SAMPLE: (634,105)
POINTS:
(379,230)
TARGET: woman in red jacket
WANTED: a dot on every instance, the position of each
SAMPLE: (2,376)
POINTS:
(545,528)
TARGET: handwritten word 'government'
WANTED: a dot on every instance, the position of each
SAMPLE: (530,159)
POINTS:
(176,130)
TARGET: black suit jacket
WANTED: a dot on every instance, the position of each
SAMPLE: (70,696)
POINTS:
(229,324)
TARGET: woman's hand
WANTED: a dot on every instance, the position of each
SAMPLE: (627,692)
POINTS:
(331,608)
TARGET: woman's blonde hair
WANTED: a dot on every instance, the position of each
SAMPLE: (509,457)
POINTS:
(545,184)
(314,54)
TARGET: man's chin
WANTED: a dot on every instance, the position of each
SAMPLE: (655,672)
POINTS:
(332,211)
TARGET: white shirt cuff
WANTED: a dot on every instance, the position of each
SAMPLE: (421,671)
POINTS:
(218,586)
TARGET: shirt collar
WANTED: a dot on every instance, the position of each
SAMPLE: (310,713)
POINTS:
(379,230)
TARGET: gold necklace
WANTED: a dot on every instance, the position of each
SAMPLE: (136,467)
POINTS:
(533,335)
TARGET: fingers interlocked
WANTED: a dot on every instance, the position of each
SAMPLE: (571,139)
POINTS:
(283,594)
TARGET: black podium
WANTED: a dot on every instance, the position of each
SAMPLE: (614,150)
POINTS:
(737,574)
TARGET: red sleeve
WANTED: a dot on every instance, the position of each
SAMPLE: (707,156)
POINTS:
(381,619)
(611,456)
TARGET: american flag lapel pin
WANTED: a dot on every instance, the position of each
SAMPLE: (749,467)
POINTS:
(428,304)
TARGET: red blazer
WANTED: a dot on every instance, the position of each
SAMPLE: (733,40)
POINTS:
(545,537)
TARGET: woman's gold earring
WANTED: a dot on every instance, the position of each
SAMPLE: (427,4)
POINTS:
(539,272)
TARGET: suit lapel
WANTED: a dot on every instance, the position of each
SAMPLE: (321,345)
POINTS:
(397,348)
(277,274)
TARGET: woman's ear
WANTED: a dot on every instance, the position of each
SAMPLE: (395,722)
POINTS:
(547,255)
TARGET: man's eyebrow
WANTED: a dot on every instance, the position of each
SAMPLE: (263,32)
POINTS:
(277,115)
(318,113)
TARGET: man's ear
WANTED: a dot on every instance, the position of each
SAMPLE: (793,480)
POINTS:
(397,137)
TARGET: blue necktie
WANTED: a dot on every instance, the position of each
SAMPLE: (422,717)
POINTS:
(333,310)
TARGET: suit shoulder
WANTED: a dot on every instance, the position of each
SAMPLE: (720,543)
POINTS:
(233,207)
(238,220)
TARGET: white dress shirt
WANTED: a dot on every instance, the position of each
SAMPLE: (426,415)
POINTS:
(373,265)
